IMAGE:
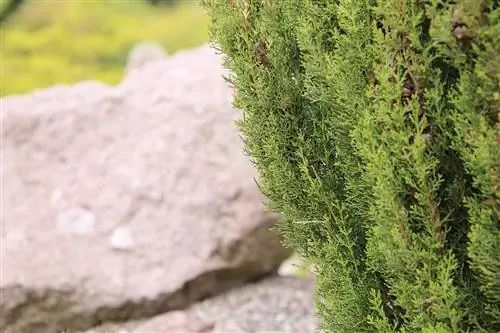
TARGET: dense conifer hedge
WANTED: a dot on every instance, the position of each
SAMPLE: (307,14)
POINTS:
(375,128)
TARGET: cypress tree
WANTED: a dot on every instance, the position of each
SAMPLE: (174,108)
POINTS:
(374,126)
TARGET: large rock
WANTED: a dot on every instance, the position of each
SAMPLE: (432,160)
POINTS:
(125,202)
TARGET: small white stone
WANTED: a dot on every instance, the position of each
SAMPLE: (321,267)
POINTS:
(121,239)
(294,266)
(143,53)
(76,221)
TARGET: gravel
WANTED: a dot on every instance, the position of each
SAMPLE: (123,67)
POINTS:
(276,304)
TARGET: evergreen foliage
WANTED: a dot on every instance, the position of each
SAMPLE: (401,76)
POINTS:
(375,127)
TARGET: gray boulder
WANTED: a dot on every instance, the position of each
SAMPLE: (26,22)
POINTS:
(126,202)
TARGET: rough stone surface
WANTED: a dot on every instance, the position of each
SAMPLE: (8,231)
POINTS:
(126,202)
(275,304)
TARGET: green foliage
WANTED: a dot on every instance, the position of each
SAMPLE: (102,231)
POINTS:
(9,8)
(375,129)
(50,42)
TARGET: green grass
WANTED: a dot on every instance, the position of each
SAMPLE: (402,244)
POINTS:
(51,42)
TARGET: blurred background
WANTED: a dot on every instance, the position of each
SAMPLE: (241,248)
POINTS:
(47,42)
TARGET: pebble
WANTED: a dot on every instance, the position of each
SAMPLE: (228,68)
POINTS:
(121,239)
(76,221)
